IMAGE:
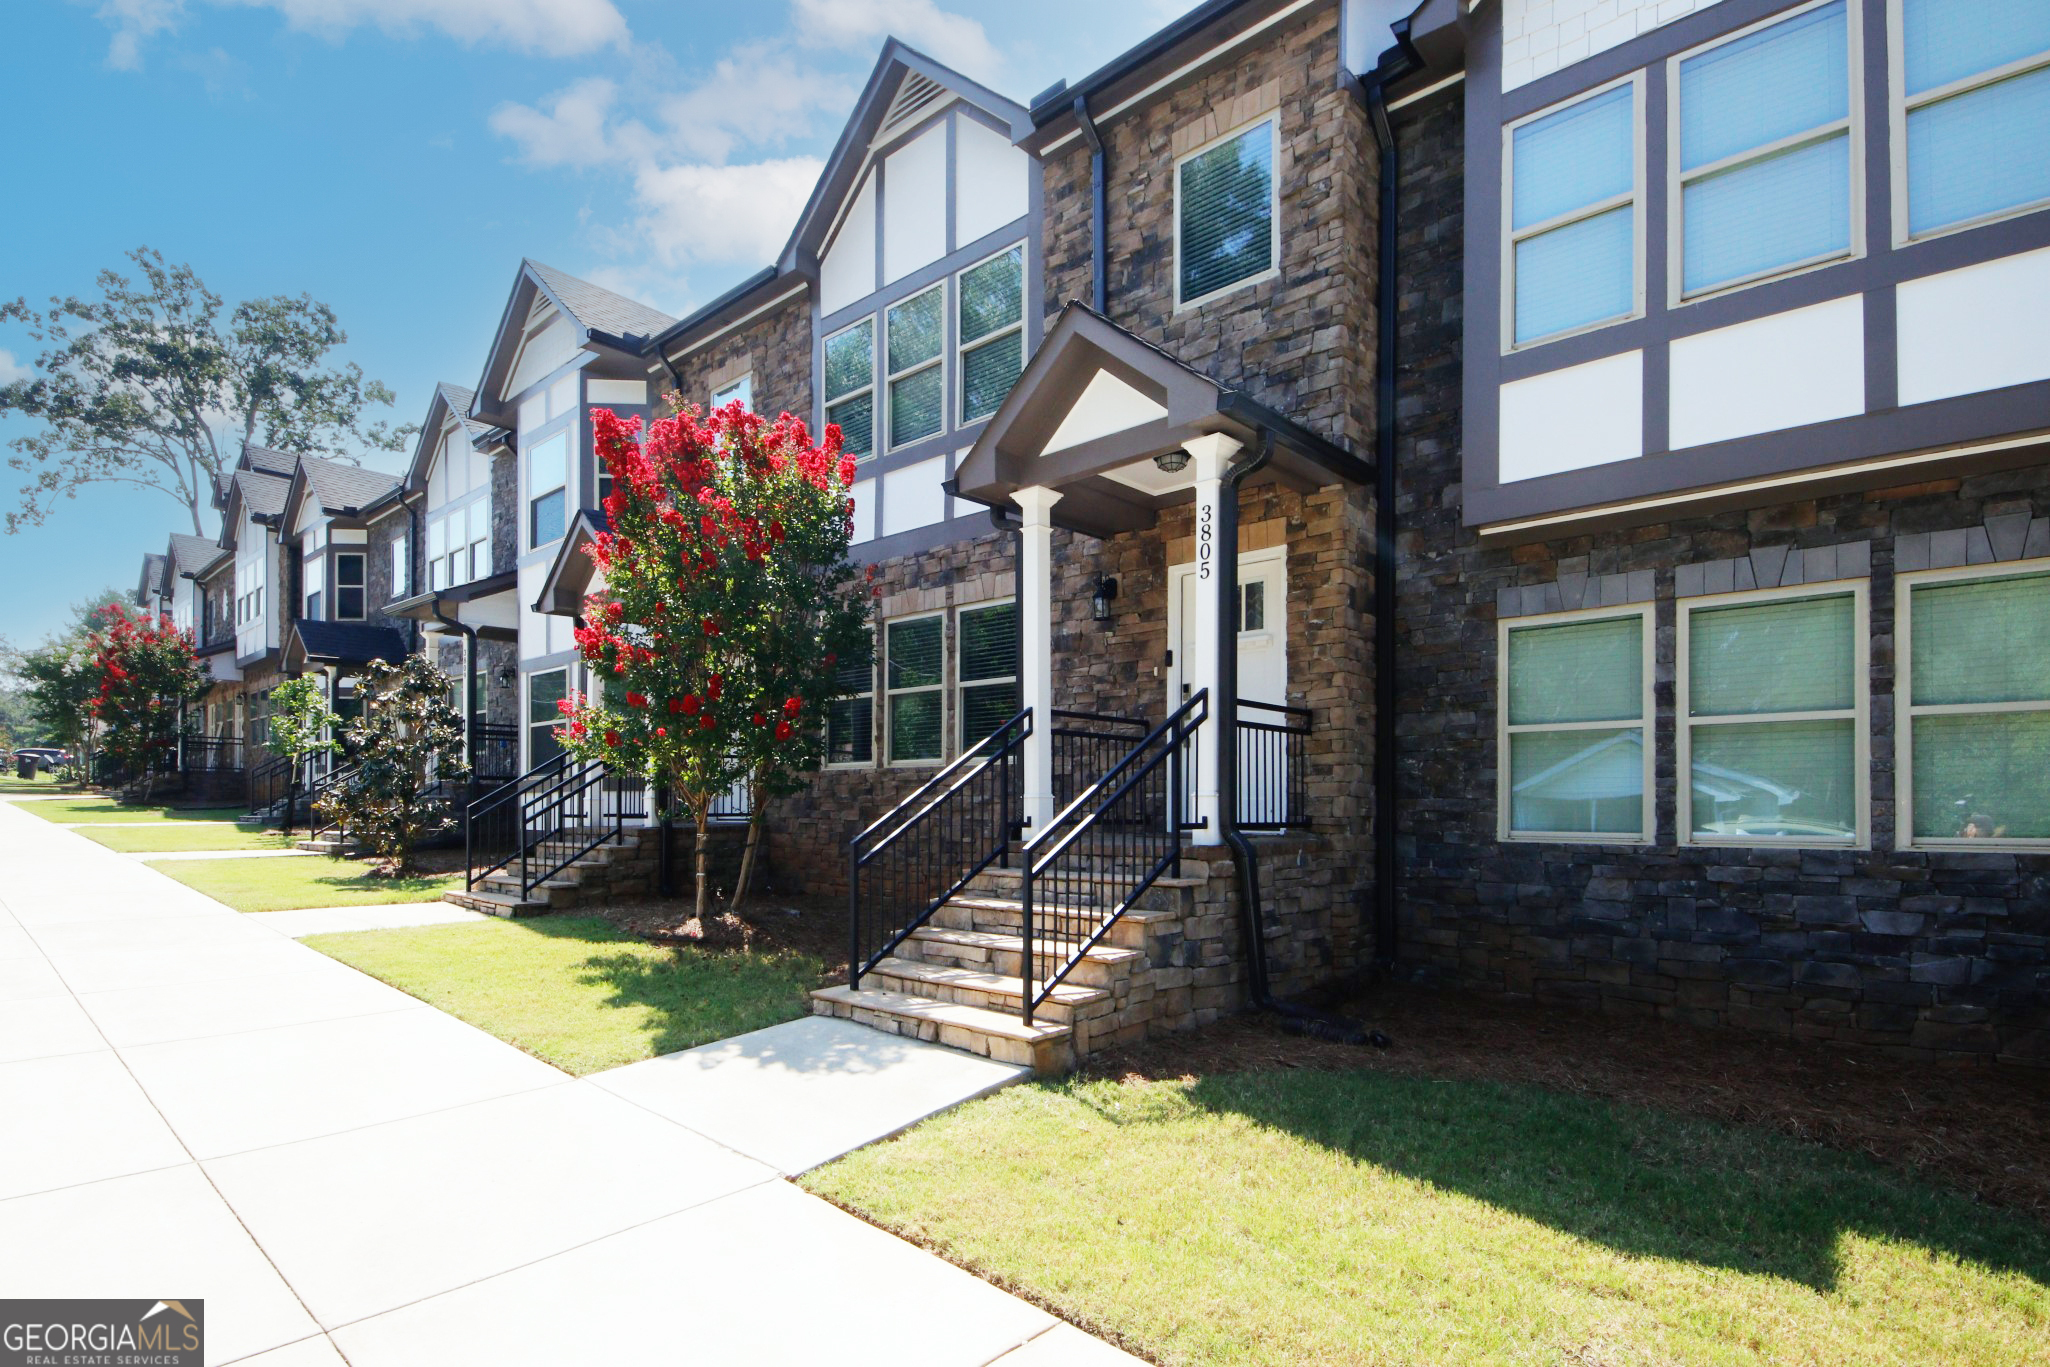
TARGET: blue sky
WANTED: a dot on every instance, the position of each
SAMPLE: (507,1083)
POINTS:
(396,159)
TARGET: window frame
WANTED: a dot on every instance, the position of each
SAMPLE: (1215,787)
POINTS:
(962,683)
(1852,125)
(1272,118)
(1900,104)
(534,496)
(874,663)
(1906,709)
(889,694)
(362,586)
(963,347)
(890,377)
(401,566)
(532,725)
(746,381)
(1647,722)
(827,402)
(1637,200)
(1859,714)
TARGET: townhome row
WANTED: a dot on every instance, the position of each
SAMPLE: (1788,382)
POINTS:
(1577,470)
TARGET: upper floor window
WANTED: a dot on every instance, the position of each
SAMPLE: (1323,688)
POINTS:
(741,391)
(313,606)
(1973,99)
(1574,184)
(547,490)
(1576,710)
(349,586)
(401,567)
(1766,151)
(850,386)
(1227,215)
(916,336)
(991,327)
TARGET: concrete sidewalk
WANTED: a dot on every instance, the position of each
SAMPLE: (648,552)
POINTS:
(189,1099)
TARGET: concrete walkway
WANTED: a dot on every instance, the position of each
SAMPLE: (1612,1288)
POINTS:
(189,1099)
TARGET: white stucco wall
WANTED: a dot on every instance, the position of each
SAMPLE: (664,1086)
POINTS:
(1541,36)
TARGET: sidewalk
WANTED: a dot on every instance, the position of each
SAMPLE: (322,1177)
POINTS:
(193,1104)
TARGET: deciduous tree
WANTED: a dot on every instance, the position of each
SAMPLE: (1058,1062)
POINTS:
(147,672)
(409,739)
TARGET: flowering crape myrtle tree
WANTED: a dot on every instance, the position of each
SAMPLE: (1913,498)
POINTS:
(147,672)
(728,598)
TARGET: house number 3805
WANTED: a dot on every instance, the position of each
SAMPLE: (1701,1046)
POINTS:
(1205,538)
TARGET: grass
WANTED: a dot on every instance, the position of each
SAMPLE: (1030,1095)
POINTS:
(218,835)
(74,810)
(577,991)
(12,786)
(305,881)
(1356,1217)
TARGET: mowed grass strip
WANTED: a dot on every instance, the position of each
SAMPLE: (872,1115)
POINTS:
(94,810)
(1370,1218)
(302,881)
(214,835)
(12,785)
(577,991)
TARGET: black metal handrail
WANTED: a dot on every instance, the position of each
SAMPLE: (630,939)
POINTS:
(492,827)
(1104,851)
(270,783)
(1273,751)
(336,780)
(1084,747)
(497,753)
(563,820)
(906,866)
(208,754)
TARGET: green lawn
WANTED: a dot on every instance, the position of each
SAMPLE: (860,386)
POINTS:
(308,881)
(1365,1217)
(215,835)
(577,991)
(72,810)
(10,786)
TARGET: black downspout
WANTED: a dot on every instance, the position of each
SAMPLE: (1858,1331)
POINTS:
(469,686)
(412,571)
(1224,715)
(1099,231)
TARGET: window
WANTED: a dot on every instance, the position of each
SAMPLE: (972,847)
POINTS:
(437,553)
(915,680)
(988,670)
(851,387)
(349,586)
(1576,759)
(850,718)
(479,557)
(1973,83)
(1766,151)
(1227,220)
(1772,708)
(401,567)
(1974,756)
(544,691)
(991,327)
(313,606)
(547,494)
(1573,216)
(918,385)
(741,391)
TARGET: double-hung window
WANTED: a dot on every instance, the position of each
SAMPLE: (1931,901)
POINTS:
(991,299)
(1972,108)
(988,670)
(914,657)
(1576,761)
(401,566)
(348,586)
(479,558)
(850,717)
(1767,151)
(547,490)
(544,692)
(851,387)
(313,580)
(1974,758)
(741,391)
(915,343)
(1772,709)
(1574,218)
(1227,217)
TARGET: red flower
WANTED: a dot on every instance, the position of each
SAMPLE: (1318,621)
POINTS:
(761,720)
(792,707)
(636,700)
(662,732)
(612,738)
(705,722)
(782,730)
(691,704)
(675,706)
(715,686)
(564,706)
(711,626)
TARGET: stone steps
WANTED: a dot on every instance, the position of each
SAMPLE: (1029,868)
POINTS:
(499,893)
(497,904)
(1047,1049)
(1001,954)
(992,991)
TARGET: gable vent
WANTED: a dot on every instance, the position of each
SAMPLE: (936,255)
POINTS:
(915,94)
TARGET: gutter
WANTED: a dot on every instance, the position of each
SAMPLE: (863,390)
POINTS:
(1099,231)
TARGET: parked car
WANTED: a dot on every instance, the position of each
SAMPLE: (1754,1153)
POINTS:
(47,757)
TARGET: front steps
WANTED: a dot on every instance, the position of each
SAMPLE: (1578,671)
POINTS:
(618,867)
(957,979)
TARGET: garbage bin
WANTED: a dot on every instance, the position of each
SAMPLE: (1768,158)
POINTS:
(25,767)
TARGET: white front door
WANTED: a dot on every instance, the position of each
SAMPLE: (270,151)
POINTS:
(1262,627)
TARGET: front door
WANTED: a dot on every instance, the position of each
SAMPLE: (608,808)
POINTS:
(1262,629)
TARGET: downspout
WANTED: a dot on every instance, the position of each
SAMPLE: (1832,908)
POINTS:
(412,573)
(1099,232)
(469,683)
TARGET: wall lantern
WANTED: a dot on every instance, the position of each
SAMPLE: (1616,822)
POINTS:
(1099,602)
(1172,461)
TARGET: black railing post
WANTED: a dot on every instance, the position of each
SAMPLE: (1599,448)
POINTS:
(1028,971)
(854,916)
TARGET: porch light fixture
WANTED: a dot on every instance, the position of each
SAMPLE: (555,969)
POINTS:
(1100,601)
(1172,461)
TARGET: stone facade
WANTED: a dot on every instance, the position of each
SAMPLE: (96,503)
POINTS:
(1935,953)
(775,349)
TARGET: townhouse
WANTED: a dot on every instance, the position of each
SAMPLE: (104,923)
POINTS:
(1551,496)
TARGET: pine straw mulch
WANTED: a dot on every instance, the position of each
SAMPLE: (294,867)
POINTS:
(768,922)
(1984,1128)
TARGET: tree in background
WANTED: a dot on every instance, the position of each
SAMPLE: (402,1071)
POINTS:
(53,684)
(141,386)
(729,594)
(301,726)
(146,674)
(409,739)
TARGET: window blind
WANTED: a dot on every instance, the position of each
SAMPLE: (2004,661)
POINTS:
(988,670)
(1582,671)
(1789,656)
(1573,162)
(1225,206)
(1567,773)
(850,718)
(1980,650)
(1979,153)
(915,334)
(849,387)
(992,304)
(913,669)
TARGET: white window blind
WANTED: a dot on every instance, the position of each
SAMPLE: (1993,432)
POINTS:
(1976,76)
(850,718)
(988,669)
(1573,216)
(1765,151)
(991,300)
(1573,699)
(914,677)
(1225,214)
(850,387)
(547,496)
(916,335)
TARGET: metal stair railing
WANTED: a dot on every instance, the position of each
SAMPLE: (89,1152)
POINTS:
(1273,780)
(491,825)
(928,847)
(1104,850)
(563,820)
(337,779)
(270,783)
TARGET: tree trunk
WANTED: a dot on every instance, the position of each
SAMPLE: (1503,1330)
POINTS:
(703,804)
(747,859)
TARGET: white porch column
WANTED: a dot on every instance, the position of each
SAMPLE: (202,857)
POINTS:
(1210,454)
(1035,617)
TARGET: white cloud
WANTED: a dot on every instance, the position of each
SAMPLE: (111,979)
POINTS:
(692,213)
(573,130)
(550,28)
(956,40)
(11,370)
(132,22)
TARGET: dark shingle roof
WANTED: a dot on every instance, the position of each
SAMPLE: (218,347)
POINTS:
(349,642)
(342,487)
(270,462)
(598,309)
(192,554)
(152,581)
(263,494)
(460,401)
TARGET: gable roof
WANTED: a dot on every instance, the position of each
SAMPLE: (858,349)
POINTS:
(343,488)
(268,461)
(151,583)
(192,556)
(598,314)
(343,643)
(262,494)
(448,398)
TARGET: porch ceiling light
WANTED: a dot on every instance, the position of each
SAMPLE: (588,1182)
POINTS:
(1099,602)
(1172,461)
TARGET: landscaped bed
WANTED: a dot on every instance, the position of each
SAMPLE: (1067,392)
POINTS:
(578,991)
(289,883)
(90,809)
(213,835)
